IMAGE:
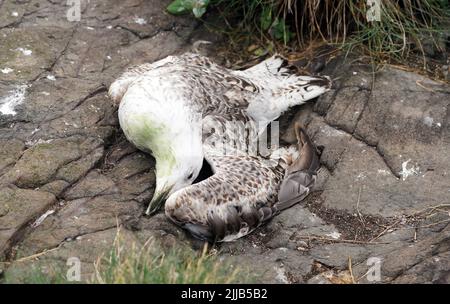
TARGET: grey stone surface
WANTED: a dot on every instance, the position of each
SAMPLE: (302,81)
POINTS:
(18,207)
(383,189)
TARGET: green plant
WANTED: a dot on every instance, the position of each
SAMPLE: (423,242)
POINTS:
(280,30)
(197,7)
(275,25)
(149,264)
(402,27)
(139,264)
(37,275)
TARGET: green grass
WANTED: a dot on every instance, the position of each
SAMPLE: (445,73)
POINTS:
(150,265)
(133,264)
(37,275)
(296,23)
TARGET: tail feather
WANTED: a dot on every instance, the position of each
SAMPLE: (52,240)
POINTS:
(294,189)
(308,160)
(300,175)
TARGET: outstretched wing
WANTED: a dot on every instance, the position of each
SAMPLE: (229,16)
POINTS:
(217,90)
(206,85)
(263,92)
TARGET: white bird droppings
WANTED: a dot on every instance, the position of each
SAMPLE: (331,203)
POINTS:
(281,275)
(32,143)
(360,176)
(15,14)
(428,121)
(24,51)
(51,77)
(334,235)
(405,173)
(140,21)
(16,97)
(6,70)
(383,172)
(42,218)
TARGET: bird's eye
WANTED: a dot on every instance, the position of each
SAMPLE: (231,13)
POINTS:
(191,175)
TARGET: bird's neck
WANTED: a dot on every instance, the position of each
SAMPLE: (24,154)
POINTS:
(169,135)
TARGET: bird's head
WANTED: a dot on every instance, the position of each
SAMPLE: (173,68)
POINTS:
(178,151)
(173,175)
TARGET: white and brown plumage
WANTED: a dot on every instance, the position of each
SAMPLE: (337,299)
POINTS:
(244,192)
(165,105)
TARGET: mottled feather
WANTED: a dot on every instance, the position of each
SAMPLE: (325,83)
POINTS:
(243,193)
(214,90)
(162,105)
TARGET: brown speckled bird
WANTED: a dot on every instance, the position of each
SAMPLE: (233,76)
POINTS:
(244,192)
(173,107)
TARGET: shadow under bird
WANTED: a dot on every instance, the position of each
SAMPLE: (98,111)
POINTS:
(164,108)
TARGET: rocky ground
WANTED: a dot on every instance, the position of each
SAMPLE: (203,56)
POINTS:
(68,177)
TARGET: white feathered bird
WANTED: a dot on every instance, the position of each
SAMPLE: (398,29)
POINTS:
(164,104)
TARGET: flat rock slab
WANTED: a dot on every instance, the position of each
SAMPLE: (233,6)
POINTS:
(68,177)
(18,207)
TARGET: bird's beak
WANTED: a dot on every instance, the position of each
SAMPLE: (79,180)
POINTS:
(157,202)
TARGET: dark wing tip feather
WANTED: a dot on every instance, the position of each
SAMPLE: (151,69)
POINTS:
(287,67)
(301,174)
(201,232)
(321,81)
(308,159)
(217,225)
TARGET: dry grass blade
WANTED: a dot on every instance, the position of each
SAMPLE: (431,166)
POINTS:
(403,27)
(325,239)
(149,263)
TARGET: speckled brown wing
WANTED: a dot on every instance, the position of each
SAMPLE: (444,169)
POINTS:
(243,193)
(210,88)
(238,198)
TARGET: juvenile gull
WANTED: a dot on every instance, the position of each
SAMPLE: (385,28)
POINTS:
(244,192)
(165,105)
